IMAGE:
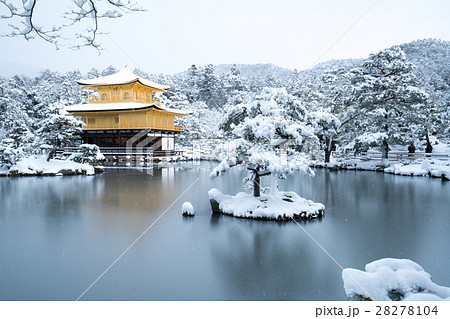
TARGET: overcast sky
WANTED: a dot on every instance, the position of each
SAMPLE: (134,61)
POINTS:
(173,34)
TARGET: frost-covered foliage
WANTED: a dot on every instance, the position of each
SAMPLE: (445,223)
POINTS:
(88,153)
(385,89)
(30,110)
(9,153)
(59,129)
(271,136)
(326,127)
(392,279)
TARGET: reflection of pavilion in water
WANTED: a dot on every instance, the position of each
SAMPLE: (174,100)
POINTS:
(138,192)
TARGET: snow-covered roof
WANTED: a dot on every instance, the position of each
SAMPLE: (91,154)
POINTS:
(124,76)
(127,106)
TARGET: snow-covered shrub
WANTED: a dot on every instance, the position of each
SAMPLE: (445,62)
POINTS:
(9,153)
(368,140)
(88,153)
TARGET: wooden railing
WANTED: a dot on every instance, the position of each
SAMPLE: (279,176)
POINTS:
(122,155)
(404,155)
(101,126)
(95,99)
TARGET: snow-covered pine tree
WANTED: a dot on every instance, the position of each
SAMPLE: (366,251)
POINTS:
(15,105)
(9,152)
(210,90)
(235,86)
(384,89)
(93,73)
(109,70)
(326,127)
(192,127)
(59,129)
(191,84)
(271,81)
(272,124)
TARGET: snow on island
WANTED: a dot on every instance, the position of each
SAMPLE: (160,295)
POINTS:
(187,209)
(280,206)
(392,279)
(40,167)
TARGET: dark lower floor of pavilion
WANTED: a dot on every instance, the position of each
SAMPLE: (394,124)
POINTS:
(156,140)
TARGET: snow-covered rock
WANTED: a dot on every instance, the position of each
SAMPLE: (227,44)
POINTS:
(280,206)
(187,209)
(392,279)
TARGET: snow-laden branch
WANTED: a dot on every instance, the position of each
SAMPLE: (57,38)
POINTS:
(24,22)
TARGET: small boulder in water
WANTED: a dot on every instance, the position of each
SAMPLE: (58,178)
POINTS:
(187,209)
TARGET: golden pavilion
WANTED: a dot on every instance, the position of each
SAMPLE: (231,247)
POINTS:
(122,105)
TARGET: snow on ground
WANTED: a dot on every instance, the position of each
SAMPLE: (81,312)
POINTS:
(187,209)
(418,167)
(392,279)
(423,169)
(40,166)
(281,206)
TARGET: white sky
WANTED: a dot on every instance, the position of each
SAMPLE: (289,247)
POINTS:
(174,34)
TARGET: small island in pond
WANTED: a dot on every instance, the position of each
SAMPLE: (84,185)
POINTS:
(270,138)
(284,206)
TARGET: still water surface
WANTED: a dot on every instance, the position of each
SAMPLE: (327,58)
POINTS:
(58,234)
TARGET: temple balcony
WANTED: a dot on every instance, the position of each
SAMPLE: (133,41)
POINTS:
(120,99)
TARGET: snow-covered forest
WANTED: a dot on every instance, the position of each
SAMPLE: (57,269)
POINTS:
(394,98)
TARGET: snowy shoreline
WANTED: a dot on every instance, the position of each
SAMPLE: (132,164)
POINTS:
(40,167)
(424,169)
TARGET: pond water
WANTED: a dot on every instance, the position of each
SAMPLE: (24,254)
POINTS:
(58,234)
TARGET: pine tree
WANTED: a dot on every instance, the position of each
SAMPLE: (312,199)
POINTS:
(272,123)
(59,129)
(209,87)
(191,84)
(384,89)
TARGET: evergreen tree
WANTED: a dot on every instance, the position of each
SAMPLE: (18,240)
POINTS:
(191,84)
(384,90)
(210,90)
(109,70)
(59,129)
(272,123)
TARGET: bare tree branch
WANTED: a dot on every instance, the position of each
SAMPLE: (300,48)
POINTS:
(83,10)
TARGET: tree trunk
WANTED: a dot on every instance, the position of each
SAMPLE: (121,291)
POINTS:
(51,154)
(429,148)
(327,155)
(256,185)
(257,180)
(385,150)
(330,146)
